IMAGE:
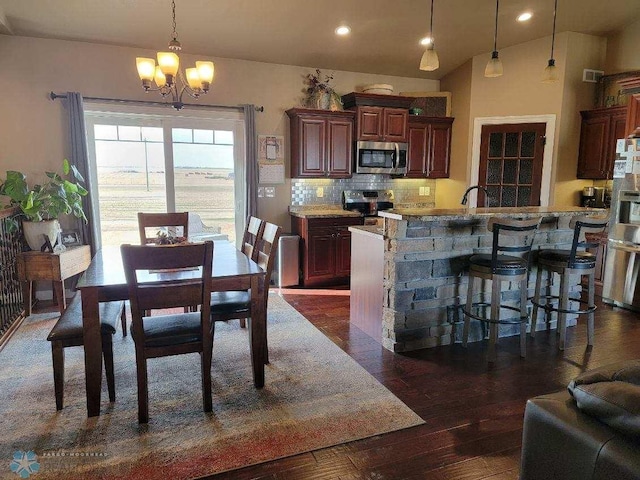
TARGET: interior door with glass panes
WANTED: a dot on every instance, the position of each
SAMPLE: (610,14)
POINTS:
(511,164)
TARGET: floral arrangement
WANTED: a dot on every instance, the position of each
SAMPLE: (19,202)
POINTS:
(164,238)
(320,94)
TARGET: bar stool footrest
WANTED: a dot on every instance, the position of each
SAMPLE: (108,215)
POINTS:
(490,320)
(549,307)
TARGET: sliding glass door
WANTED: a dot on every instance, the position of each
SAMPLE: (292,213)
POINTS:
(158,163)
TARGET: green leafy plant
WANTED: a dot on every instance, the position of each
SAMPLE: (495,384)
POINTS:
(61,194)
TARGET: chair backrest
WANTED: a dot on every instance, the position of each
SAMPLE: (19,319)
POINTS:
(582,226)
(175,224)
(267,248)
(167,276)
(252,234)
(512,236)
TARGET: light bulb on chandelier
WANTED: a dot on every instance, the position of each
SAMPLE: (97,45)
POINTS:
(167,74)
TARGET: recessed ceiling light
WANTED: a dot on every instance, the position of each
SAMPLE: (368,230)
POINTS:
(425,41)
(523,17)
(343,30)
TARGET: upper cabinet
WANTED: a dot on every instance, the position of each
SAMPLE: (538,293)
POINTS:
(600,130)
(429,152)
(379,118)
(382,124)
(321,143)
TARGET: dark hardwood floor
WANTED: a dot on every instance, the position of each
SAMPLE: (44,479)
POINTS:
(473,414)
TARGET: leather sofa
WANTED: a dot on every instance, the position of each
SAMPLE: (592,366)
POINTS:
(577,434)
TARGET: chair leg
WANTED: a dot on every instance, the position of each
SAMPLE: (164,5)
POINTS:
(496,285)
(536,299)
(57,354)
(523,313)
(469,306)
(243,323)
(123,319)
(107,353)
(143,390)
(205,359)
(564,303)
(592,303)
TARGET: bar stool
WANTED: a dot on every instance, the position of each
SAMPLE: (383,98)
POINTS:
(509,236)
(576,261)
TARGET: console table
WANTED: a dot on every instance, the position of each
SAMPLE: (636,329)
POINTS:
(57,267)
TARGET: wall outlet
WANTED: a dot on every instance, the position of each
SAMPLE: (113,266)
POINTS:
(319,192)
(270,192)
(425,191)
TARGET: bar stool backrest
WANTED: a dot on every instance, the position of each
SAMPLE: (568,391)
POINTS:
(582,226)
(511,236)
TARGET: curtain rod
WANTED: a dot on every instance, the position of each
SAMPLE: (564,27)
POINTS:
(54,96)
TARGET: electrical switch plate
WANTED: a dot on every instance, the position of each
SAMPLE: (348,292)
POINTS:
(425,191)
(260,192)
(270,192)
(319,192)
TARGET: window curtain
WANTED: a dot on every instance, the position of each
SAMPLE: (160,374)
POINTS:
(80,158)
(251,170)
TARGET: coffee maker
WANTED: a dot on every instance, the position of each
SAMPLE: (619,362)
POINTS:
(588,197)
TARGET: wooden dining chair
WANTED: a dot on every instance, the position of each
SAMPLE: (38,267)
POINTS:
(237,304)
(176,223)
(252,233)
(169,333)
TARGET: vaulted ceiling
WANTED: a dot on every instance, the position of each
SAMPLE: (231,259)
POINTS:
(384,35)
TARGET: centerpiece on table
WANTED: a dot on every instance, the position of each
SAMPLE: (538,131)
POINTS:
(319,93)
(40,206)
(167,238)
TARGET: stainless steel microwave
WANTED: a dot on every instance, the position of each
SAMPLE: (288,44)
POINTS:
(381,157)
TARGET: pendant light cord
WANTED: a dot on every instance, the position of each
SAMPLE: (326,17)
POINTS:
(495,32)
(431,24)
(553,35)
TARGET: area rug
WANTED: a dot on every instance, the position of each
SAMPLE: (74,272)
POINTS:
(315,396)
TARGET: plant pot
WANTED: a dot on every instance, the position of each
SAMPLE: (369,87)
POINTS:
(34,233)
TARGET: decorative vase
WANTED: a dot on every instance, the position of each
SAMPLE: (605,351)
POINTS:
(34,233)
(320,99)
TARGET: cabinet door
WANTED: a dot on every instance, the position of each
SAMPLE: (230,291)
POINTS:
(395,125)
(370,124)
(343,251)
(594,138)
(617,129)
(312,147)
(418,148)
(439,150)
(321,253)
(340,148)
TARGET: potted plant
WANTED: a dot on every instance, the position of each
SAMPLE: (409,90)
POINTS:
(40,206)
(320,94)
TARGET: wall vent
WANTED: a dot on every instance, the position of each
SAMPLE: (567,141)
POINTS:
(591,76)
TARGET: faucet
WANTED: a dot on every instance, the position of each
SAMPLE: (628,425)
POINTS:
(466,193)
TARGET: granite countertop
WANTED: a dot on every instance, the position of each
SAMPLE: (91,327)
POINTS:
(426,214)
(321,211)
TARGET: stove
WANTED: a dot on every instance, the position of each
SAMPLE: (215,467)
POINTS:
(367,202)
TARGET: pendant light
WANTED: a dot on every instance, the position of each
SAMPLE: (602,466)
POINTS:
(550,74)
(494,66)
(429,61)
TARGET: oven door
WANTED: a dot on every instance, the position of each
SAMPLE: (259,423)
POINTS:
(381,157)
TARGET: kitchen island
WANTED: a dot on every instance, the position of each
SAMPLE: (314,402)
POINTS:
(422,255)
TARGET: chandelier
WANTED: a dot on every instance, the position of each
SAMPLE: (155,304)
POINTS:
(168,77)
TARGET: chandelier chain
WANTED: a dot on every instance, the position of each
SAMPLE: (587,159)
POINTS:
(173,9)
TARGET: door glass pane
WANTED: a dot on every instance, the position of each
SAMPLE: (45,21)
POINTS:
(524,194)
(182,135)
(494,171)
(495,145)
(508,196)
(204,185)
(130,180)
(126,132)
(493,199)
(526,171)
(527,149)
(510,171)
(203,136)
(511,145)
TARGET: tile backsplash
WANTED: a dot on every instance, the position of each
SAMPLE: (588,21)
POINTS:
(324,191)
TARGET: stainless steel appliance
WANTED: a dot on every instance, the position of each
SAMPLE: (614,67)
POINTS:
(287,271)
(381,157)
(367,202)
(621,284)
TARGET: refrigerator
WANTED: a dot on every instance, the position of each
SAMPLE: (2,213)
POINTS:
(621,285)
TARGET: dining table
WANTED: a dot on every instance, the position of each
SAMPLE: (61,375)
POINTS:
(104,281)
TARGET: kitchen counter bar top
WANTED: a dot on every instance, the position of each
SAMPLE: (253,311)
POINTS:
(321,212)
(427,214)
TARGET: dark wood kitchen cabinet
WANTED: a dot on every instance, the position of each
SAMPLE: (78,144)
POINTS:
(600,130)
(429,152)
(381,124)
(321,143)
(326,249)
